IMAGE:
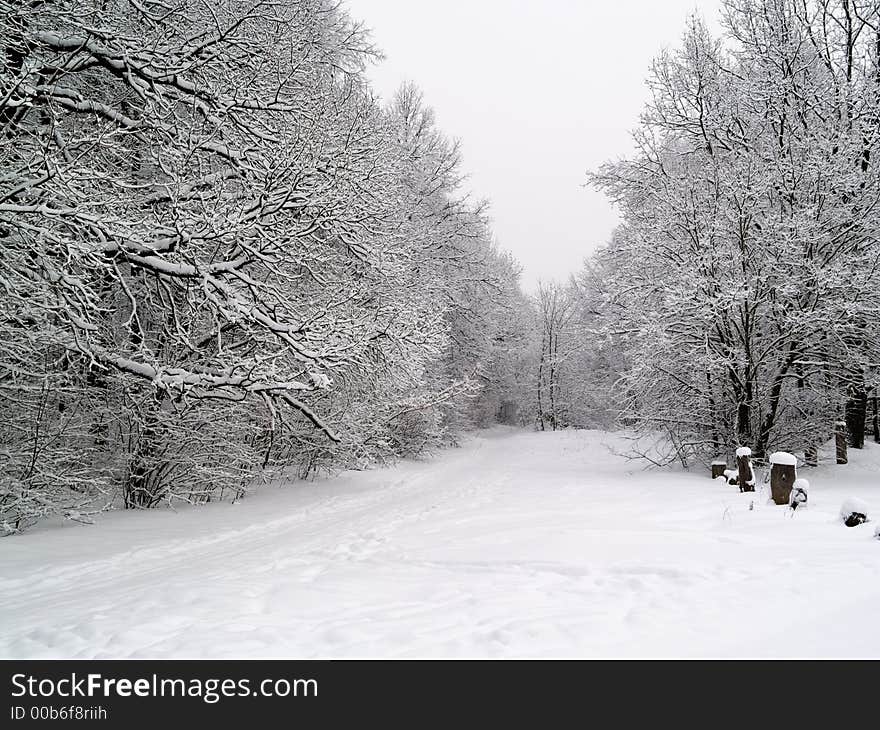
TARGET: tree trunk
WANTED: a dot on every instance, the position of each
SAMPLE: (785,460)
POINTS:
(540,413)
(840,442)
(769,421)
(876,420)
(856,412)
(811,456)
(744,423)
(552,388)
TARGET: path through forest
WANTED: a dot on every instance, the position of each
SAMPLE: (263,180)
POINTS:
(516,544)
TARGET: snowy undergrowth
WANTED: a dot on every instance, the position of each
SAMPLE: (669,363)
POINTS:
(517,544)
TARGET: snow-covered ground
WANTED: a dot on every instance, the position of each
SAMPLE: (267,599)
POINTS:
(517,544)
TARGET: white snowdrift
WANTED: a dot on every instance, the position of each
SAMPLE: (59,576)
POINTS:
(853,505)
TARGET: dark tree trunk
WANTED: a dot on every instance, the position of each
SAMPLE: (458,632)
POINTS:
(876,420)
(769,421)
(811,456)
(540,413)
(553,347)
(856,413)
(743,423)
(840,442)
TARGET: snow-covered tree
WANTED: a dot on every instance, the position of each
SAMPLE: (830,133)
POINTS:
(743,283)
(220,253)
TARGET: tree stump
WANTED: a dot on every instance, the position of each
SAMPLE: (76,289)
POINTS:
(746,475)
(783,472)
(840,442)
(718,468)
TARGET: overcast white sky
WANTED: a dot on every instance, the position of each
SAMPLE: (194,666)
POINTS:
(538,92)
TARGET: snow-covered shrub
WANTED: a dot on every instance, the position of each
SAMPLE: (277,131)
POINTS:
(56,455)
(853,512)
(799,494)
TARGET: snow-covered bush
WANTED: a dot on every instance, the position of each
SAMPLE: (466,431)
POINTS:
(799,494)
(853,512)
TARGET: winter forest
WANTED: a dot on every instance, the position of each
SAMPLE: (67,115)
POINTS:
(274,384)
(223,257)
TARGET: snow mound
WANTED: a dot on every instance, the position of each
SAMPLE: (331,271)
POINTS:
(802,484)
(783,457)
(853,512)
(853,506)
(743,451)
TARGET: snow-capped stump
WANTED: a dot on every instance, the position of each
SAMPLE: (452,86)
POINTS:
(719,466)
(799,493)
(783,472)
(746,474)
(853,512)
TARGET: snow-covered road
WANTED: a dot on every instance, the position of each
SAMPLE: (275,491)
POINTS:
(517,544)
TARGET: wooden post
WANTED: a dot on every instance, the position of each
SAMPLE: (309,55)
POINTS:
(718,467)
(811,456)
(783,472)
(840,441)
(744,467)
